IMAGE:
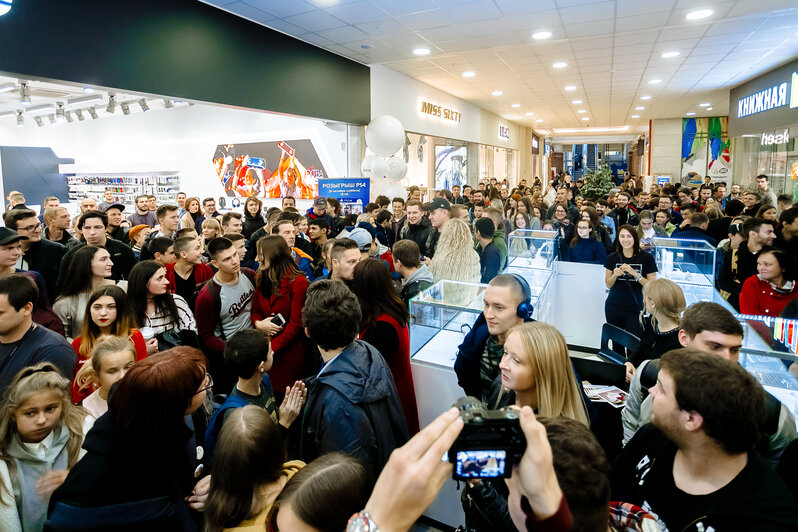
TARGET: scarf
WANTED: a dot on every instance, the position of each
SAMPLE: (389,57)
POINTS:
(784,289)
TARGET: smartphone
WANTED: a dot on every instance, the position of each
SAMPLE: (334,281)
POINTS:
(257,162)
(278,320)
(480,464)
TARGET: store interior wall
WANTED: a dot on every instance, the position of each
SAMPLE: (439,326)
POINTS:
(183,48)
(181,139)
(666,148)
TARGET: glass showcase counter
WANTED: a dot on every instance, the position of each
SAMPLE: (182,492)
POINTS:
(685,261)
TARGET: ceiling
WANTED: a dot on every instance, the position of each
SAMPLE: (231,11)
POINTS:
(612,48)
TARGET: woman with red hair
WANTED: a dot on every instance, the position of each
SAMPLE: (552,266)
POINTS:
(137,472)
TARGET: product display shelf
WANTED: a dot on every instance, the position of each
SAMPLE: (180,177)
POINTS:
(685,261)
(126,187)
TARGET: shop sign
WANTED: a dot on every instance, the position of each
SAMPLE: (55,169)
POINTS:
(770,98)
(504,132)
(431,109)
(778,138)
(535,144)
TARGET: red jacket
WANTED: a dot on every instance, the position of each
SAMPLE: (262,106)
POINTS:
(758,298)
(294,358)
(395,349)
(202,272)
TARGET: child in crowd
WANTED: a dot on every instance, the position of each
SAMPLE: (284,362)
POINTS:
(110,360)
(41,433)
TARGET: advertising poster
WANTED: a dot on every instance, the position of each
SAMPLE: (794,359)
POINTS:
(352,193)
(450,166)
(269,169)
(706,149)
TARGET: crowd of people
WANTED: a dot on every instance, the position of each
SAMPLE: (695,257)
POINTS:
(182,368)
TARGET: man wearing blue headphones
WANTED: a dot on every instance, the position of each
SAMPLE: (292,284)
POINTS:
(506,304)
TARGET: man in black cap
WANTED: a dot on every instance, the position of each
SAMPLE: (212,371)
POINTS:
(115,217)
(439,210)
(319,210)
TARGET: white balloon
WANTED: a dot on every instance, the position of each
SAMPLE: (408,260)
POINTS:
(379,169)
(397,168)
(395,190)
(378,186)
(385,135)
(366,165)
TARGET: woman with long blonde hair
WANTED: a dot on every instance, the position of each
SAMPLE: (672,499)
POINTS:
(536,372)
(455,258)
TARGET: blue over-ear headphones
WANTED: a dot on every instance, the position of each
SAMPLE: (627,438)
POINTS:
(525,308)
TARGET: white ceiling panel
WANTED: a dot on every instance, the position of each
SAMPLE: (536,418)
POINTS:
(494,38)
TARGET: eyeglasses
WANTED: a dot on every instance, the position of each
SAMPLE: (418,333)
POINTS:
(208,386)
(30,228)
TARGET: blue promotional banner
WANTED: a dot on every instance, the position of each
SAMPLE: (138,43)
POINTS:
(352,193)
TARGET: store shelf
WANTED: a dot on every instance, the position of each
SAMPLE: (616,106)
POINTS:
(126,186)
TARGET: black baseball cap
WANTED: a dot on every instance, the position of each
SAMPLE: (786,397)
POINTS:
(437,203)
(115,206)
(7,236)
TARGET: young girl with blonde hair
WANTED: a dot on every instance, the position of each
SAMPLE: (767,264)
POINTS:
(110,359)
(455,258)
(41,434)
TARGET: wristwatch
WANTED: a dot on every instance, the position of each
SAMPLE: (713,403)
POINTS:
(638,277)
(361,522)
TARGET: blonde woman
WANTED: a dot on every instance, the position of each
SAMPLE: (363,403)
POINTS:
(663,305)
(211,228)
(536,372)
(455,258)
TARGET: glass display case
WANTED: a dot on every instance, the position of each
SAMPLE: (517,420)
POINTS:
(440,317)
(685,261)
(531,249)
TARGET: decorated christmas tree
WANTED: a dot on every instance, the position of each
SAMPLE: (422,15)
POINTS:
(597,183)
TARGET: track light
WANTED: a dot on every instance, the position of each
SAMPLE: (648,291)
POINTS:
(79,114)
(59,113)
(125,108)
(111,104)
(168,104)
(93,113)
(20,119)
(52,119)
(143,104)
(24,94)
(38,120)
(69,117)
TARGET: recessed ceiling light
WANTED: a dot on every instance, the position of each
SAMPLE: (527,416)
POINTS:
(88,90)
(539,120)
(516,105)
(469,74)
(496,93)
(645,97)
(421,51)
(699,14)
(540,35)
(529,113)
(570,87)
(639,108)
(704,104)
(709,108)
(668,55)
(690,113)
(576,102)
(635,116)
(560,64)
(580,111)
(585,118)
(654,81)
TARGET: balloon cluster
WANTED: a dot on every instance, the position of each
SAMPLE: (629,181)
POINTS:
(385,136)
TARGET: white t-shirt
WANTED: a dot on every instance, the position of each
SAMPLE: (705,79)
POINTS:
(236,305)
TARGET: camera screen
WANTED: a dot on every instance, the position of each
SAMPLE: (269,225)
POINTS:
(480,464)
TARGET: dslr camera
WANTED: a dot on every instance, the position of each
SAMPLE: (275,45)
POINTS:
(490,443)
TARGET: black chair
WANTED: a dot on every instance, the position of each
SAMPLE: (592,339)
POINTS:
(607,373)
(619,337)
